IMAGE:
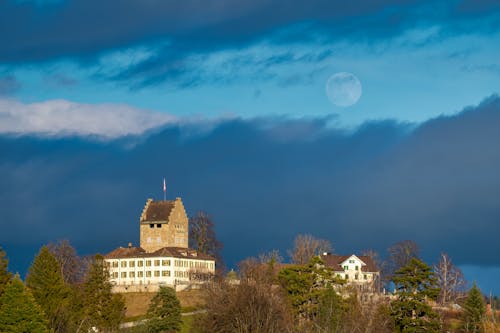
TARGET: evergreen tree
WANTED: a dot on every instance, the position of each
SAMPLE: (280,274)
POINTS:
(415,284)
(45,282)
(5,275)
(19,313)
(331,310)
(164,312)
(474,310)
(103,309)
(307,286)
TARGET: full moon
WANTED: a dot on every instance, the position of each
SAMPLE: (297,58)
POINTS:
(343,89)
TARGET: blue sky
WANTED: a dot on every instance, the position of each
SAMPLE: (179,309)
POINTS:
(234,92)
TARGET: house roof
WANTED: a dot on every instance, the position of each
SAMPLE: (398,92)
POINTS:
(139,252)
(156,211)
(125,252)
(335,261)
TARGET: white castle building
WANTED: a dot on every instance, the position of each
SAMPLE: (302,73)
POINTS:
(163,257)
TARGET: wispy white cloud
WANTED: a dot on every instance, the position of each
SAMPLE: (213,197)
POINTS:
(63,118)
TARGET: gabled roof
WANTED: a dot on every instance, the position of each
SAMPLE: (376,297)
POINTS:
(139,252)
(157,211)
(125,252)
(335,261)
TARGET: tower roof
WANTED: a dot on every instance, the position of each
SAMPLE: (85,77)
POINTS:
(156,211)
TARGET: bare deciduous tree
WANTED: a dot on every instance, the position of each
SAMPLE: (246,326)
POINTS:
(375,256)
(450,280)
(202,237)
(247,307)
(73,268)
(307,246)
(261,269)
(400,255)
(273,256)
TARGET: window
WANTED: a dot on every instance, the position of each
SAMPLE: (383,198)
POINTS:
(124,274)
(124,264)
(148,263)
(115,275)
(351,261)
(131,263)
(356,276)
(140,263)
(165,262)
(148,273)
(346,268)
(115,263)
(165,273)
(140,274)
(347,276)
(365,277)
(131,274)
(157,273)
(151,225)
(357,268)
(181,274)
(157,262)
(158,225)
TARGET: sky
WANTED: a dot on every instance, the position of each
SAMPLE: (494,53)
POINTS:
(231,102)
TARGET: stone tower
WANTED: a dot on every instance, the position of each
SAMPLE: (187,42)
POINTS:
(163,224)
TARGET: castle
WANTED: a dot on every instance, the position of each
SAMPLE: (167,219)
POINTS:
(163,257)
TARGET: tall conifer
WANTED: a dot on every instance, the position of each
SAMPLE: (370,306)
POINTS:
(415,284)
(103,309)
(45,282)
(5,275)
(164,312)
(474,311)
(19,313)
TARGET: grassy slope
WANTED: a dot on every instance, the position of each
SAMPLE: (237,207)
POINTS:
(137,303)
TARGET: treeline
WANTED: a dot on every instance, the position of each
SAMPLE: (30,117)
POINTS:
(66,293)
(307,296)
(62,293)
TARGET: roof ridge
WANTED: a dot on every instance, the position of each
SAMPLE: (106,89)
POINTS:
(145,209)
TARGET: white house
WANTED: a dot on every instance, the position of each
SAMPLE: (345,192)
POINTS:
(134,269)
(359,271)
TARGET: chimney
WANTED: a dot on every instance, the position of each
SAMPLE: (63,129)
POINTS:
(129,245)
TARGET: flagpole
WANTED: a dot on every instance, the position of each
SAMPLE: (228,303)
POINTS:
(164,190)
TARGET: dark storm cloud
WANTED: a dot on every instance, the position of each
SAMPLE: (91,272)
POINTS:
(85,28)
(266,180)
(81,27)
